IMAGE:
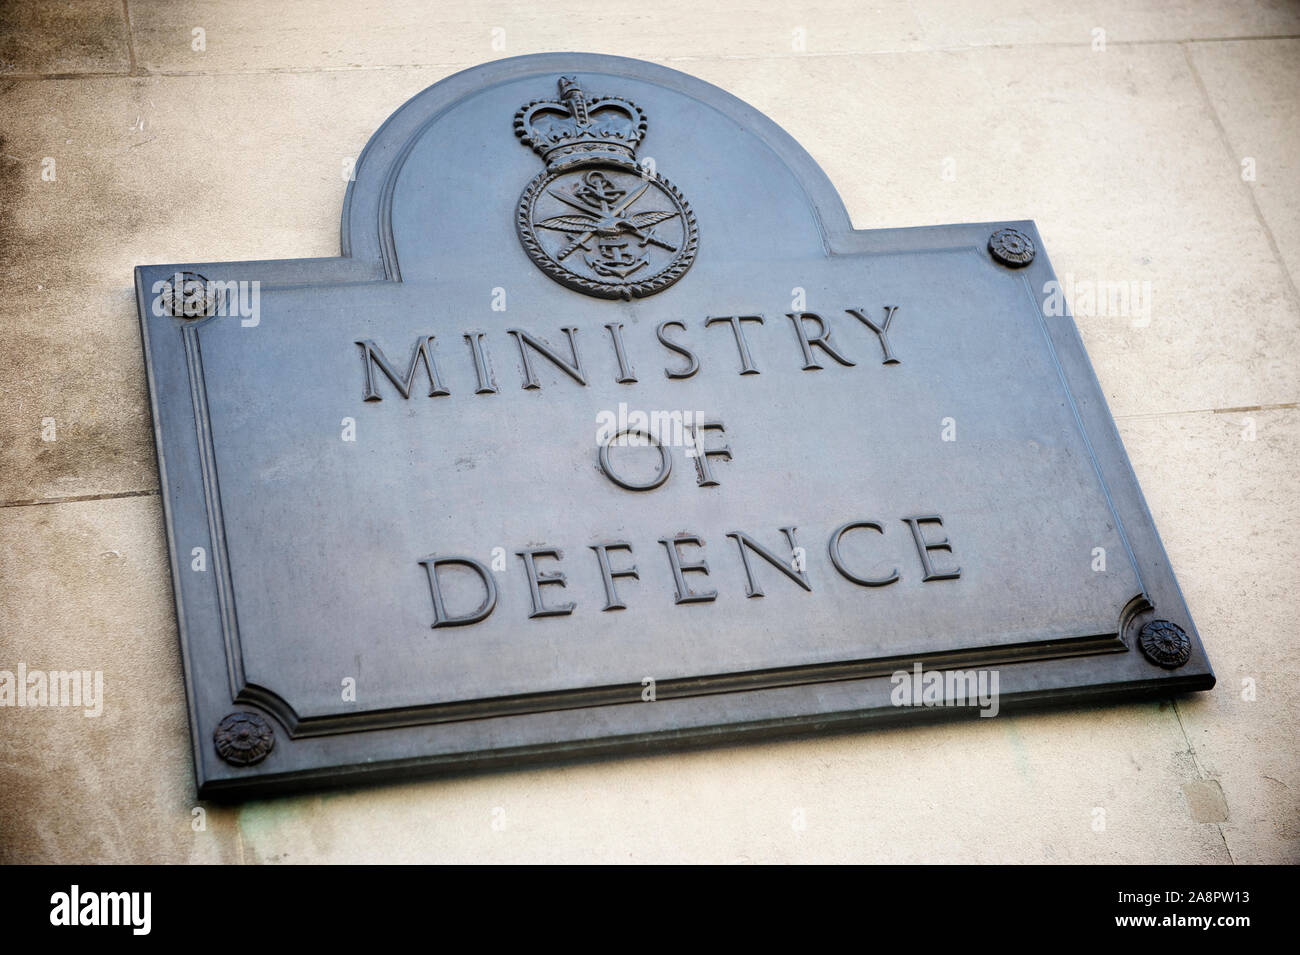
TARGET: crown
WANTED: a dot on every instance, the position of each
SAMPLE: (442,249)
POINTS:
(576,129)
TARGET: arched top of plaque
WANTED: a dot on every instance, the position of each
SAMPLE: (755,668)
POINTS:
(607,176)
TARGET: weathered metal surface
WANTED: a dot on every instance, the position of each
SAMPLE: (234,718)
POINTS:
(414,525)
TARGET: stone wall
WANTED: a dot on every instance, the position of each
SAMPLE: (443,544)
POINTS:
(1156,150)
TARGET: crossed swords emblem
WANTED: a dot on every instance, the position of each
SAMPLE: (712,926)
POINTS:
(598,216)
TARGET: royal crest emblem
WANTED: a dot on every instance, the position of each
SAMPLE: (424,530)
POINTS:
(595,219)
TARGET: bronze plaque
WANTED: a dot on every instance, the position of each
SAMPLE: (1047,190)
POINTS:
(607,431)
